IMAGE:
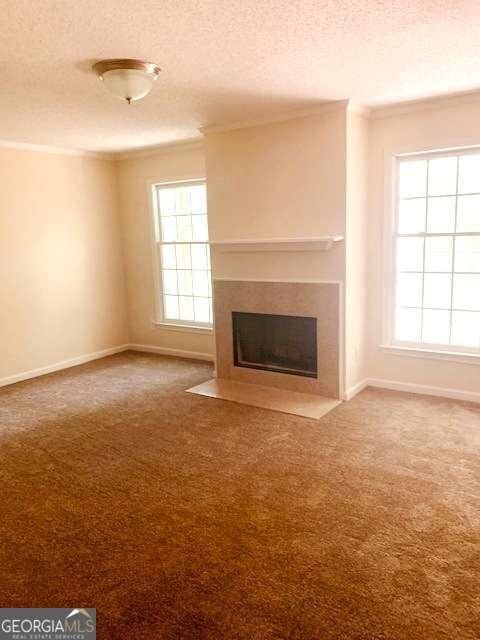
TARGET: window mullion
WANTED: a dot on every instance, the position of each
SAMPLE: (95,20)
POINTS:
(453,253)
(191,275)
(424,252)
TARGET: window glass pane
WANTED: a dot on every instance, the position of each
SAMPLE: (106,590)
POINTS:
(438,253)
(469,174)
(441,215)
(168,256)
(466,328)
(201,281)
(199,199)
(436,326)
(408,325)
(410,254)
(411,215)
(169,279)
(200,228)
(467,253)
(409,289)
(185,304)
(412,178)
(182,200)
(185,283)
(169,228)
(442,176)
(437,292)
(167,201)
(184,228)
(200,256)
(466,292)
(171,307)
(202,310)
(184,259)
(468,214)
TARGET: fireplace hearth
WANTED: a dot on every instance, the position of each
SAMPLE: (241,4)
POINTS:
(279,343)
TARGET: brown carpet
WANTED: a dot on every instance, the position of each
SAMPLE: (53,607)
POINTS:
(182,517)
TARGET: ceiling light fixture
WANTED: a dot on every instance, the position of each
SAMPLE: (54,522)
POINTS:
(127,79)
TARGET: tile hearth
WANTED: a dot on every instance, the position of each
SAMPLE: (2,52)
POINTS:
(294,402)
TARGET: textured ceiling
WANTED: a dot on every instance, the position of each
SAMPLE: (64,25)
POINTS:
(222,61)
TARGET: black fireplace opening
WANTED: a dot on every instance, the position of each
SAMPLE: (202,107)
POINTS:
(286,344)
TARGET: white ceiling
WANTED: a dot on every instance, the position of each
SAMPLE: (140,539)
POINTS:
(222,61)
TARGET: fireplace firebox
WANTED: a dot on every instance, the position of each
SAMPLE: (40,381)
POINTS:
(285,344)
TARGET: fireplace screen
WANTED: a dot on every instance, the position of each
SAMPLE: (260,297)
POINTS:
(286,344)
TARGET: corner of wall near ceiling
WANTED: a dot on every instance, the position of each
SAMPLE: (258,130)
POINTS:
(122,234)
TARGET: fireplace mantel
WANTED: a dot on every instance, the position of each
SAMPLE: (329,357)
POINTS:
(318,243)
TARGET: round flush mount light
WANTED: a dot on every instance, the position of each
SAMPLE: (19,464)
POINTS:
(127,79)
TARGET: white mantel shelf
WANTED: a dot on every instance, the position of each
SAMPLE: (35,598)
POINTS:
(319,243)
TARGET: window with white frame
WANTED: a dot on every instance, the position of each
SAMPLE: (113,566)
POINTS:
(183,254)
(437,251)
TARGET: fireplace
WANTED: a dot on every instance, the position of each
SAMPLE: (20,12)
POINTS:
(280,343)
(283,335)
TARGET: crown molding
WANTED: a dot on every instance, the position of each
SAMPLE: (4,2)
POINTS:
(43,148)
(189,145)
(425,104)
(325,107)
(373,112)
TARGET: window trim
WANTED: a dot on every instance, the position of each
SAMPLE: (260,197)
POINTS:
(159,319)
(452,353)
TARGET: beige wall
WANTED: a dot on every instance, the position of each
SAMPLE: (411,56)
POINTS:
(284,179)
(62,281)
(356,250)
(135,175)
(441,126)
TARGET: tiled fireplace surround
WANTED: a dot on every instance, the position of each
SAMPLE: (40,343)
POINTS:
(320,300)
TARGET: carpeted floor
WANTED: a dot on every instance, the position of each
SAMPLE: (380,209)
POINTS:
(183,517)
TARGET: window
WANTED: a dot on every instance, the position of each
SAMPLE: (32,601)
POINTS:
(183,254)
(437,252)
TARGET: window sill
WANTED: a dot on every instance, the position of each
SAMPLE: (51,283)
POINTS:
(432,354)
(170,326)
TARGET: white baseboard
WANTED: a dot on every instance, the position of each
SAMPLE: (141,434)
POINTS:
(456,394)
(166,351)
(58,366)
(352,391)
(410,387)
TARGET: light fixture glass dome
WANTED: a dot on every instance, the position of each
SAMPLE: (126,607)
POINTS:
(128,80)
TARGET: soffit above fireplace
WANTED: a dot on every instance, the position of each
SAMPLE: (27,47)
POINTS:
(318,243)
